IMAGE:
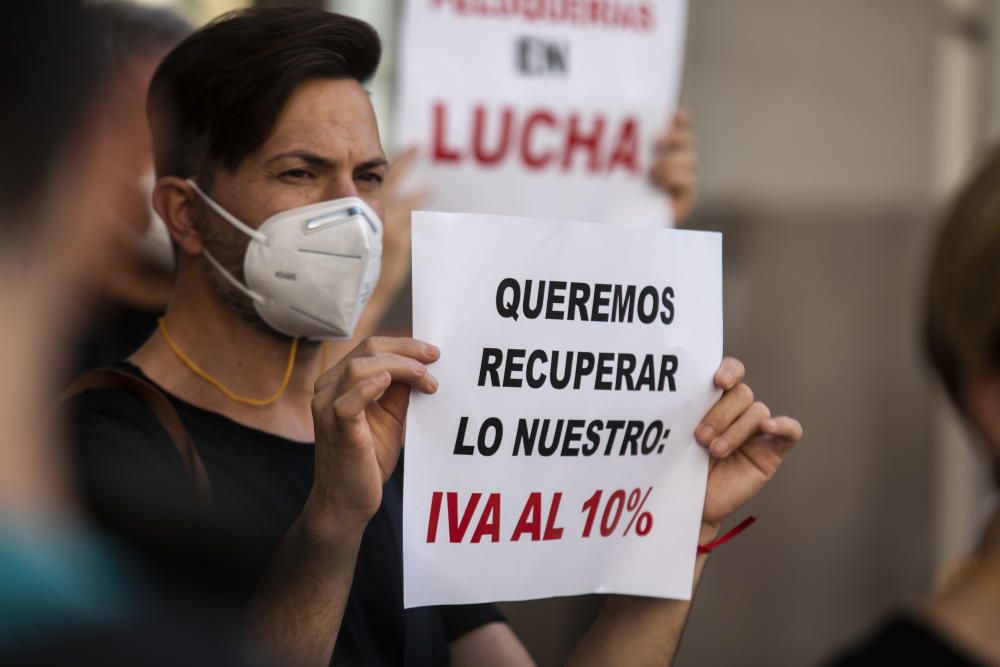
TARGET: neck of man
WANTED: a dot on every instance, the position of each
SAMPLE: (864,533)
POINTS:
(249,361)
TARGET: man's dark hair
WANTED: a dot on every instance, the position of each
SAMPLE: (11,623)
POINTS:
(124,31)
(47,79)
(216,97)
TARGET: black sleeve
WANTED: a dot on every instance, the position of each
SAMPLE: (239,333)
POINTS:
(459,620)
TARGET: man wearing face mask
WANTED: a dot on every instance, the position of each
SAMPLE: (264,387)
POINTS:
(270,172)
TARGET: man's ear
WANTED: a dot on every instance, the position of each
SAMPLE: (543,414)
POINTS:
(175,200)
(983,399)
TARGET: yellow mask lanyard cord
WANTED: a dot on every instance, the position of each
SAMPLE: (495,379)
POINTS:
(226,391)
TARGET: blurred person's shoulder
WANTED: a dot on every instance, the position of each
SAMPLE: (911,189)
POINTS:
(155,638)
(904,639)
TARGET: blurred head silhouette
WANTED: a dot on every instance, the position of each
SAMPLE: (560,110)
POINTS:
(68,151)
(962,314)
(130,40)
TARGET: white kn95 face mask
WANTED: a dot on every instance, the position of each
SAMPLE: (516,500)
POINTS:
(309,270)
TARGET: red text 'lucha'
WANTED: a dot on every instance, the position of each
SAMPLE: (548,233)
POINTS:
(539,139)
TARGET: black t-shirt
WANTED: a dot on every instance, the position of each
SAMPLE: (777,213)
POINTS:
(904,640)
(138,488)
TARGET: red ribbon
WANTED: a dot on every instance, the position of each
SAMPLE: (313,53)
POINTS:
(718,542)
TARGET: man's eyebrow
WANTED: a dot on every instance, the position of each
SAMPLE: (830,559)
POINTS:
(321,161)
(374,163)
(305,156)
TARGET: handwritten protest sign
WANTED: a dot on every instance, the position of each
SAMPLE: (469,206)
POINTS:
(540,108)
(557,457)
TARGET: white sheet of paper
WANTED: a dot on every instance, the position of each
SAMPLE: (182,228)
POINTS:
(530,81)
(459,262)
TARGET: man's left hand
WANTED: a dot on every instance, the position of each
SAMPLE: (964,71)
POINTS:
(746,443)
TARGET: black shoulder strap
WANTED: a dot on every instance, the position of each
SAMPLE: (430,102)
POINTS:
(159,405)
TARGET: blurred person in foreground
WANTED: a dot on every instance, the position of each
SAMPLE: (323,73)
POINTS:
(263,130)
(960,624)
(68,594)
(58,171)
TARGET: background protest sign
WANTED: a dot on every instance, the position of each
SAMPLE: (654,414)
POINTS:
(540,108)
(557,456)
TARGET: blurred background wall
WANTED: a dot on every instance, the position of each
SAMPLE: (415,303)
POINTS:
(830,135)
(815,126)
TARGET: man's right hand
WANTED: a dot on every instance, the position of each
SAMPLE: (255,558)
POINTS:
(359,413)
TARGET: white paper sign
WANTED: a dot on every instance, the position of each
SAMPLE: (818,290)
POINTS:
(539,108)
(557,456)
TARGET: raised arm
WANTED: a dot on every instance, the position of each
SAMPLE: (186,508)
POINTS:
(747,446)
(359,414)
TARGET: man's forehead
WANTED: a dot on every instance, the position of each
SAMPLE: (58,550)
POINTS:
(327,112)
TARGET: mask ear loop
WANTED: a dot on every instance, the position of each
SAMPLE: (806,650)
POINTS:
(227,216)
(232,279)
(231,219)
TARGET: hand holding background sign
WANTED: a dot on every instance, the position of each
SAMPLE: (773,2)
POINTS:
(674,170)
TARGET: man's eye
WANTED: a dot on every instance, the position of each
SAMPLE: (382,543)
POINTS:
(371,177)
(297,174)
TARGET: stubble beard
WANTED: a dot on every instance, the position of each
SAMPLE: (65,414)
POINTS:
(228,246)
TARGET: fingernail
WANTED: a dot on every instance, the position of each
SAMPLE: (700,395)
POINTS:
(718,447)
(433,382)
(725,377)
(432,350)
(705,434)
(768,424)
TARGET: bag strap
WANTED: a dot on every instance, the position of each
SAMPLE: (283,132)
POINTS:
(161,407)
